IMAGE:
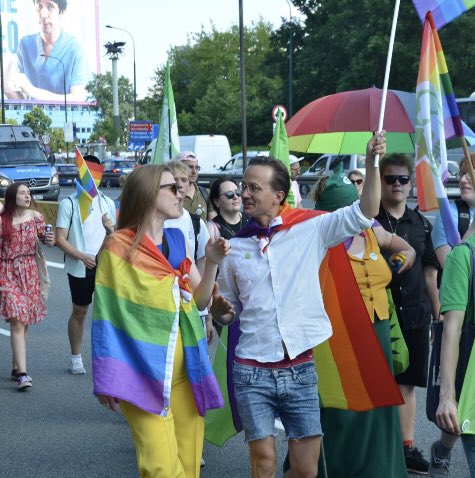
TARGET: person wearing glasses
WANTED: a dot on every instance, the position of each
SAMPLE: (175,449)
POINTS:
(271,278)
(196,199)
(225,198)
(357,178)
(149,349)
(414,292)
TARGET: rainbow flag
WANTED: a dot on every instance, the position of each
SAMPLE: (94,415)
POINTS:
(85,176)
(443,11)
(437,119)
(353,372)
(141,308)
(84,200)
(96,170)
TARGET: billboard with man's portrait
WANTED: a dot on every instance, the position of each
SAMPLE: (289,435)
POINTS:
(50,47)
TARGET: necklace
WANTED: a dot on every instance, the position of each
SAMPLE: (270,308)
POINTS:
(394,231)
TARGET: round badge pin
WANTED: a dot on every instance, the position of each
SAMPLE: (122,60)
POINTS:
(373,256)
(465,425)
(247,255)
(199,211)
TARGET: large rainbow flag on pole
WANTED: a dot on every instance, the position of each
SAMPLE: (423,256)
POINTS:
(353,372)
(443,11)
(437,119)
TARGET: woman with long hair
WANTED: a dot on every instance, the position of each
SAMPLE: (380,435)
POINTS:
(21,302)
(225,198)
(146,321)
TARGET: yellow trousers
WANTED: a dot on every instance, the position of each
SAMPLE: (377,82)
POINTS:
(169,447)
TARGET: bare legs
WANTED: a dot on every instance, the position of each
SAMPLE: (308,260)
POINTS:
(407,412)
(303,457)
(76,328)
(18,335)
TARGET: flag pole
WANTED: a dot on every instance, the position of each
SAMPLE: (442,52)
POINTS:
(169,134)
(386,73)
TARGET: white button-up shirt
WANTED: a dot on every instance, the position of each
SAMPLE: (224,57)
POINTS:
(277,294)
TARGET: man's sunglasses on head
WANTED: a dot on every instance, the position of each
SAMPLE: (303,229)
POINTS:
(392,178)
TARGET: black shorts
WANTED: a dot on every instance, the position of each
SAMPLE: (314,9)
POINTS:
(417,342)
(82,288)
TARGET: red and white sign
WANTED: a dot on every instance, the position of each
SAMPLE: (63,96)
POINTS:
(275,112)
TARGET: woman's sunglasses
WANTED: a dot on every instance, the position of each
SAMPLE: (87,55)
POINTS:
(173,187)
(392,178)
(357,181)
(231,194)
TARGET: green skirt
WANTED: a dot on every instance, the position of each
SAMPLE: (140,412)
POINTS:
(364,444)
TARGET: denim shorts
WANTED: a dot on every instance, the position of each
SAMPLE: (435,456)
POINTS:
(262,394)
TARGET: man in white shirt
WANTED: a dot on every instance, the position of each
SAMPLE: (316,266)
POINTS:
(294,173)
(271,279)
(81,243)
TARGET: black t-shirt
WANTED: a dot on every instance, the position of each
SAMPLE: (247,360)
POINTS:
(408,289)
(227,230)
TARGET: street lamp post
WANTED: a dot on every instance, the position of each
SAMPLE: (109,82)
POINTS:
(290,59)
(135,73)
(65,101)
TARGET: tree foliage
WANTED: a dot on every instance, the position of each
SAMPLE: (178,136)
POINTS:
(100,91)
(206,83)
(38,121)
(345,47)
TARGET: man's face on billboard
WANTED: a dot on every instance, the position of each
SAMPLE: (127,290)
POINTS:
(48,16)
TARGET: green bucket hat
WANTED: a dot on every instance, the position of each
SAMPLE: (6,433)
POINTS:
(339,191)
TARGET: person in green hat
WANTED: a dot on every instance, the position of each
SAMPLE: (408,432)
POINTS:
(379,444)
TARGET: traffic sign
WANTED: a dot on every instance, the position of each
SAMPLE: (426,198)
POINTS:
(275,112)
(140,131)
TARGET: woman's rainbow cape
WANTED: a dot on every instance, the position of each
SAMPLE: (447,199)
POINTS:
(353,372)
(138,312)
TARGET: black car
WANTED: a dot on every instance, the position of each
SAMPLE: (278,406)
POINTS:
(114,169)
(67,173)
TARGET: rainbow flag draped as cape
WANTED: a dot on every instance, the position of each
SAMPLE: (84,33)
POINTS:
(140,305)
(437,119)
(353,372)
(443,11)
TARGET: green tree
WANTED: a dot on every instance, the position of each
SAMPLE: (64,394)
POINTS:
(57,139)
(38,121)
(344,47)
(206,83)
(100,91)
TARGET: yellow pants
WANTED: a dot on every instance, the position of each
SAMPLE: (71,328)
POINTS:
(169,447)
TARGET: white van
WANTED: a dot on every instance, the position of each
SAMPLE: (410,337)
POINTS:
(212,151)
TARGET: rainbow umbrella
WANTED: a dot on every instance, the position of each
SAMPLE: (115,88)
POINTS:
(344,122)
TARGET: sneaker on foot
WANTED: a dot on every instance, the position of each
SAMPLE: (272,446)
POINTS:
(438,467)
(23,382)
(14,376)
(415,462)
(76,367)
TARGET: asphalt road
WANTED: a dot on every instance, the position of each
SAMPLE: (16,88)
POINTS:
(57,429)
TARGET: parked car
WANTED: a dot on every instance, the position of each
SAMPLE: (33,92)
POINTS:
(114,169)
(67,173)
(234,165)
(326,163)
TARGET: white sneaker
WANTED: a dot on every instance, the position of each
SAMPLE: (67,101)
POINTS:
(76,367)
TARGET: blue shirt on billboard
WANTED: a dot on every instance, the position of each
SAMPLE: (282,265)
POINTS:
(47,74)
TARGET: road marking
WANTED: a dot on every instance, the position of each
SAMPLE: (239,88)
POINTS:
(58,265)
(4,332)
